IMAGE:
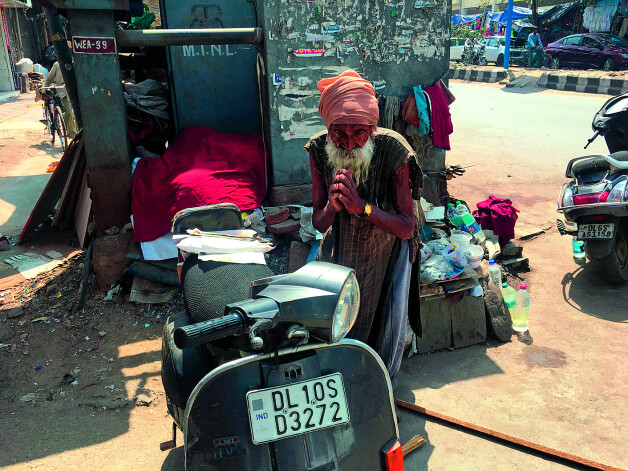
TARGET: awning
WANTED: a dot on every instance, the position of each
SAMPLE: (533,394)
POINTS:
(518,13)
(464,19)
(557,13)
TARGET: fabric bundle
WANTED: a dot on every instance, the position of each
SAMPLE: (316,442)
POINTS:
(498,215)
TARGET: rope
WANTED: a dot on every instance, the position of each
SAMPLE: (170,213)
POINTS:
(14,116)
(541,449)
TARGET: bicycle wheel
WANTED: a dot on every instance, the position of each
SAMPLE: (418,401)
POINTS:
(59,126)
(49,125)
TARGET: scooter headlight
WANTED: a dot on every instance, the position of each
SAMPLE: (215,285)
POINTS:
(567,196)
(323,297)
(618,193)
(346,309)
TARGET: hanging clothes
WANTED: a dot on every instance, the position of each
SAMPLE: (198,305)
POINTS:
(422,110)
(441,123)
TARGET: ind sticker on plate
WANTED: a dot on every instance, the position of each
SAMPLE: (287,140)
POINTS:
(86,45)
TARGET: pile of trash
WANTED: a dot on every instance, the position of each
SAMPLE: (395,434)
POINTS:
(454,239)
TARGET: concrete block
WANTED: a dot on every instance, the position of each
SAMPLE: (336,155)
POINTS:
(294,194)
(284,227)
(435,325)
(109,259)
(468,322)
(448,324)
(516,264)
(276,215)
(298,255)
(511,250)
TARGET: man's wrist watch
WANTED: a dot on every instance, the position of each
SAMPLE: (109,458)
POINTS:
(367,210)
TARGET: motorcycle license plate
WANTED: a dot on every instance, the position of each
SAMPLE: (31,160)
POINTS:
(595,231)
(295,409)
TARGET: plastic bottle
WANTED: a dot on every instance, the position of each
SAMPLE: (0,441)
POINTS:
(470,223)
(455,219)
(522,306)
(578,251)
(494,272)
(509,294)
(460,207)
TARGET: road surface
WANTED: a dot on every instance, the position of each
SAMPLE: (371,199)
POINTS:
(565,390)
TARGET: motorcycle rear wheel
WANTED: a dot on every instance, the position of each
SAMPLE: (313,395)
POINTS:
(615,265)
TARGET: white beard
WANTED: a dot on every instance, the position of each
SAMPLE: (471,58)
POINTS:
(357,160)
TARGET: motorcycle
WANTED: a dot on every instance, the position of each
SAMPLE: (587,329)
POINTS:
(473,54)
(595,202)
(257,372)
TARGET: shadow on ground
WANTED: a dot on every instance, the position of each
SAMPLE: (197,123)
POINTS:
(453,366)
(585,290)
(66,417)
(175,461)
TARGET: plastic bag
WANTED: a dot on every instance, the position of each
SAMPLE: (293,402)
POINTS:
(426,253)
(436,268)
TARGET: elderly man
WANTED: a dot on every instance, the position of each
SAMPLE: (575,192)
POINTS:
(363,203)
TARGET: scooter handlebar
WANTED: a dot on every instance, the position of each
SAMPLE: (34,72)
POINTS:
(206,331)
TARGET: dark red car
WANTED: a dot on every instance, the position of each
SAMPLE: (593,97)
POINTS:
(589,50)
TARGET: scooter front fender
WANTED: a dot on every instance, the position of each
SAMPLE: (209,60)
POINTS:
(598,249)
(217,431)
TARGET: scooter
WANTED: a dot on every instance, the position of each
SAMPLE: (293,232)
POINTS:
(257,372)
(473,54)
(595,202)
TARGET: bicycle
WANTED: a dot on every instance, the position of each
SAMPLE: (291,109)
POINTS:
(53,115)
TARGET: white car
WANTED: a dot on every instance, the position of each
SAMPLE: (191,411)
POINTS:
(455,49)
(494,48)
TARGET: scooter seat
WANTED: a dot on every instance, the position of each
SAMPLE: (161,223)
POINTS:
(597,164)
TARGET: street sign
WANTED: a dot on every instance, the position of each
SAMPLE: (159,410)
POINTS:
(84,45)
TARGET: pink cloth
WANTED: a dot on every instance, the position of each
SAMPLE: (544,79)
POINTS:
(348,99)
(441,118)
(498,215)
(200,167)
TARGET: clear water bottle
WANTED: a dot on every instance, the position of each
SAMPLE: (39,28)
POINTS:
(455,219)
(460,208)
(509,294)
(578,251)
(494,272)
(522,307)
(470,223)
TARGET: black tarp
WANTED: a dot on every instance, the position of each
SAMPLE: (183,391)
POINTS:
(557,13)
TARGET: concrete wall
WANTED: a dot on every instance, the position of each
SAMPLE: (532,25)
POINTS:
(392,43)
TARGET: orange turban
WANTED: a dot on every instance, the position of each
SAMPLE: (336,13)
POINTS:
(348,99)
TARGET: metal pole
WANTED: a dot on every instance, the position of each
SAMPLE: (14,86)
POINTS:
(64,57)
(508,31)
(460,8)
(188,37)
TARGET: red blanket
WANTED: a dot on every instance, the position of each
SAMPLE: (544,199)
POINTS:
(200,167)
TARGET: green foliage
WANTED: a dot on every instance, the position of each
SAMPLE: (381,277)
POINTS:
(464,31)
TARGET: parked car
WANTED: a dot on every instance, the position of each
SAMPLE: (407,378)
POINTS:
(584,51)
(494,49)
(455,49)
